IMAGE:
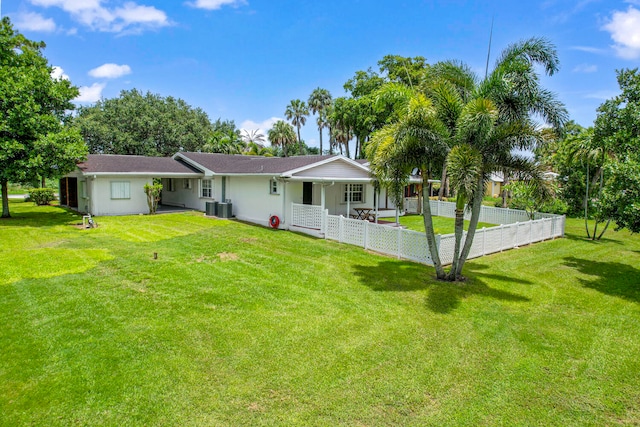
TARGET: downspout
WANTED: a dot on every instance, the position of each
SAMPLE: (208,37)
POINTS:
(284,200)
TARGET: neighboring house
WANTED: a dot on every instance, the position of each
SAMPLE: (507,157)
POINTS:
(257,187)
(494,186)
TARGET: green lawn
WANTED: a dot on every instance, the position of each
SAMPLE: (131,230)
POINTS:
(441,224)
(240,325)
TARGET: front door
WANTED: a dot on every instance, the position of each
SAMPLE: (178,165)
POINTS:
(307,193)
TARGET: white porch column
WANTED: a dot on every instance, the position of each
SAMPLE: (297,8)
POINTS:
(377,197)
(348,200)
(322,196)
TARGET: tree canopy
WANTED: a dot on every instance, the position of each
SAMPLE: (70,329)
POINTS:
(617,134)
(35,140)
(143,124)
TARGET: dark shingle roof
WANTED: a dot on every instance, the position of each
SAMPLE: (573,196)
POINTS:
(238,164)
(113,163)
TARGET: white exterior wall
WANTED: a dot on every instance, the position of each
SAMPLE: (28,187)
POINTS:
(252,201)
(102,203)
(188,198)
(385,202)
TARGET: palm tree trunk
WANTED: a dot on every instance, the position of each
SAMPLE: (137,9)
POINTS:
(320,129)
(605,229)
(595,228)
(443,180)
(505,193)
(459,232)
(5,199)
(357,149)
(429,231)
(586,204)
(473,224)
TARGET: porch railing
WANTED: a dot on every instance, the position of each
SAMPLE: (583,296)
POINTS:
(307,216)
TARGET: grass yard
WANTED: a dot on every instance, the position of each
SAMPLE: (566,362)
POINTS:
(441,225)
(234,324)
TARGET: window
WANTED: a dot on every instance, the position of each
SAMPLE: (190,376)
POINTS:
(83,189)
(273,186)
(356,191)
(171,184)
(186,184)
(206,187)
(120,190)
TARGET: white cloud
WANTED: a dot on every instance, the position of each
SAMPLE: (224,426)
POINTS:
(31,21)
(89,94)
(262,127)
(585,68)
(128,18)
(110,71)
(602,95)
(624,28)
(58,73)
(588,49)
(134,13)
(215,4)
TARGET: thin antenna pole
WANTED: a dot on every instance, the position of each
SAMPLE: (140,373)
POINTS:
(486,70)
(405,70)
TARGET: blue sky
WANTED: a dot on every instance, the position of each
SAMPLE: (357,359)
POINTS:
(245,60)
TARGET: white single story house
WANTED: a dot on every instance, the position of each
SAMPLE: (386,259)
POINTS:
(256,188)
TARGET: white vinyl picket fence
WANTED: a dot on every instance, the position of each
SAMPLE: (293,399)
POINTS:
(515,230)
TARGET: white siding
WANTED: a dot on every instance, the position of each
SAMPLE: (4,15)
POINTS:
(102,204)
(335,169)
(253,202)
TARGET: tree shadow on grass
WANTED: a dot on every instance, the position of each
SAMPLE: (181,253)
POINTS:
(611,278)
(584,238)
(40,216)
(442,297)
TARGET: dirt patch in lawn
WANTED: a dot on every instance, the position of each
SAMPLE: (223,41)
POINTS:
(228,256)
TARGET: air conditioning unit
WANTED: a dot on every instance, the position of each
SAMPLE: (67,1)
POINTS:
(225,210)
(211,208)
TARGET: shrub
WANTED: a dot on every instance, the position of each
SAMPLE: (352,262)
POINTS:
(42,196)
(556,206)
(153,196)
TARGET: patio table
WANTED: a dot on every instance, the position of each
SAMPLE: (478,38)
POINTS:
(364,213)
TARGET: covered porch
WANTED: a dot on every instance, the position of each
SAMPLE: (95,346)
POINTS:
(350,198)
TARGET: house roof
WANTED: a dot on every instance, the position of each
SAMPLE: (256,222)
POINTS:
(114,163)
(250,165)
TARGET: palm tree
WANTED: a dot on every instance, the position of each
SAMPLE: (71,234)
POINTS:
(341,122)
(481,123)
(590,151)
(253,136)
(297,112)
(282,135)
(319,101)
(417,139)
(225,141)
(497,120)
